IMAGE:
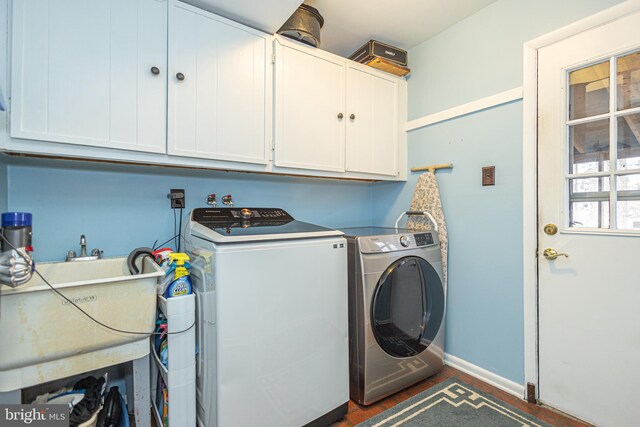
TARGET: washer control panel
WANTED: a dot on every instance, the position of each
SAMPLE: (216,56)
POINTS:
(246,213)
(222,215)
(396,242)
(228,218)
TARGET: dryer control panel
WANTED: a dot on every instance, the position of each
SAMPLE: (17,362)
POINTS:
(424,239)
(396,242)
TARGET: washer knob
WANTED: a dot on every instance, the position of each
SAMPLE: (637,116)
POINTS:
(404,241)
(246,213)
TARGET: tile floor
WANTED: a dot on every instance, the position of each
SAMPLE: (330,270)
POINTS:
(358,413)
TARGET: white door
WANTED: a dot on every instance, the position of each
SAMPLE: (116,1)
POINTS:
(219,88)
(90,72)
(589,187)
(372,123)
(310,115)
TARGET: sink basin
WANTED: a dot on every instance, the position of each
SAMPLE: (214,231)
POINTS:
(43,337)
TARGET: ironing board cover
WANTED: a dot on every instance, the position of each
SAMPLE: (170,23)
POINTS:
(426,197)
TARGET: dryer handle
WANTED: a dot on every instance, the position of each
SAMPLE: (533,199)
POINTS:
(416,213)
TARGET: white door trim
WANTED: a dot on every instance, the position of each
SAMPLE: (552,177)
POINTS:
(529,172)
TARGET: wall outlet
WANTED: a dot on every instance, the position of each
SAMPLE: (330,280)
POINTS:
(489,175)
(177,198)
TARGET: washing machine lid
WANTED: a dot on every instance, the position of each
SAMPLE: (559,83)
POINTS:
(236,225)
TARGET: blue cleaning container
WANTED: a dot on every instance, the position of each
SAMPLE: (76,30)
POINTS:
(16,231)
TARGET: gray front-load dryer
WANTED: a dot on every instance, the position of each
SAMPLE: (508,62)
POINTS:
(396,310)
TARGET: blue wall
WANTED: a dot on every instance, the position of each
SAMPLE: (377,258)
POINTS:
(475,58)
(3,185)
(119,208)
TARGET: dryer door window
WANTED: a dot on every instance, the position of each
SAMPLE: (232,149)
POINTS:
(408,307)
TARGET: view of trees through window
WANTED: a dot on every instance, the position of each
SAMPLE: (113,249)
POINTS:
(591,213)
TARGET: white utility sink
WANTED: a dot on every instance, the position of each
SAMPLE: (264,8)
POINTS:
(43,337)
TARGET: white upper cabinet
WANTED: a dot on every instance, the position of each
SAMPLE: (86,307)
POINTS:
(334,115)
(372,123)
(310,110)
(219,88)
(90,72)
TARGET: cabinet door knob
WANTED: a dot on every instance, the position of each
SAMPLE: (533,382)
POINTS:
(180,76)
(155,71)
(352,117)
(340,115)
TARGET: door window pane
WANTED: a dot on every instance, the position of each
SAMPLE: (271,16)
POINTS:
(629,142)
(628,205)
(628,183)
(628,214)
(586,214)
(589,144)
(584,187)
(589,91)
(589,203)
(628,81)
(587,167)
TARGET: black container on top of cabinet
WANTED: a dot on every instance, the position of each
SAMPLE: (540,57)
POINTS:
(374,49)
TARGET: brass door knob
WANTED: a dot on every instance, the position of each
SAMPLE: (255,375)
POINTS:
(550,229)
(552,254)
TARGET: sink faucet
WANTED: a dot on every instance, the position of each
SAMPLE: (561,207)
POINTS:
(83,246)
(95,254)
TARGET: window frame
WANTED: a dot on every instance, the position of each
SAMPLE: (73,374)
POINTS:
(612,196)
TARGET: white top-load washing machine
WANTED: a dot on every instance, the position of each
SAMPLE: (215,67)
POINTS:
(396,310)
(272,326)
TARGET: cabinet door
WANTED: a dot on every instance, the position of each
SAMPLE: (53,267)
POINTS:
(310,117)
(372,123)
(219,88)
(82,72)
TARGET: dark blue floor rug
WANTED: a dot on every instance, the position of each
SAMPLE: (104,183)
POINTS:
(453,403)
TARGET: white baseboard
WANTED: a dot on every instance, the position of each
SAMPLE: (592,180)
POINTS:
(484,375)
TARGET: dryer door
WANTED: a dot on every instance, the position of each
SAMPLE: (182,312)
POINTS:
(408,307)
